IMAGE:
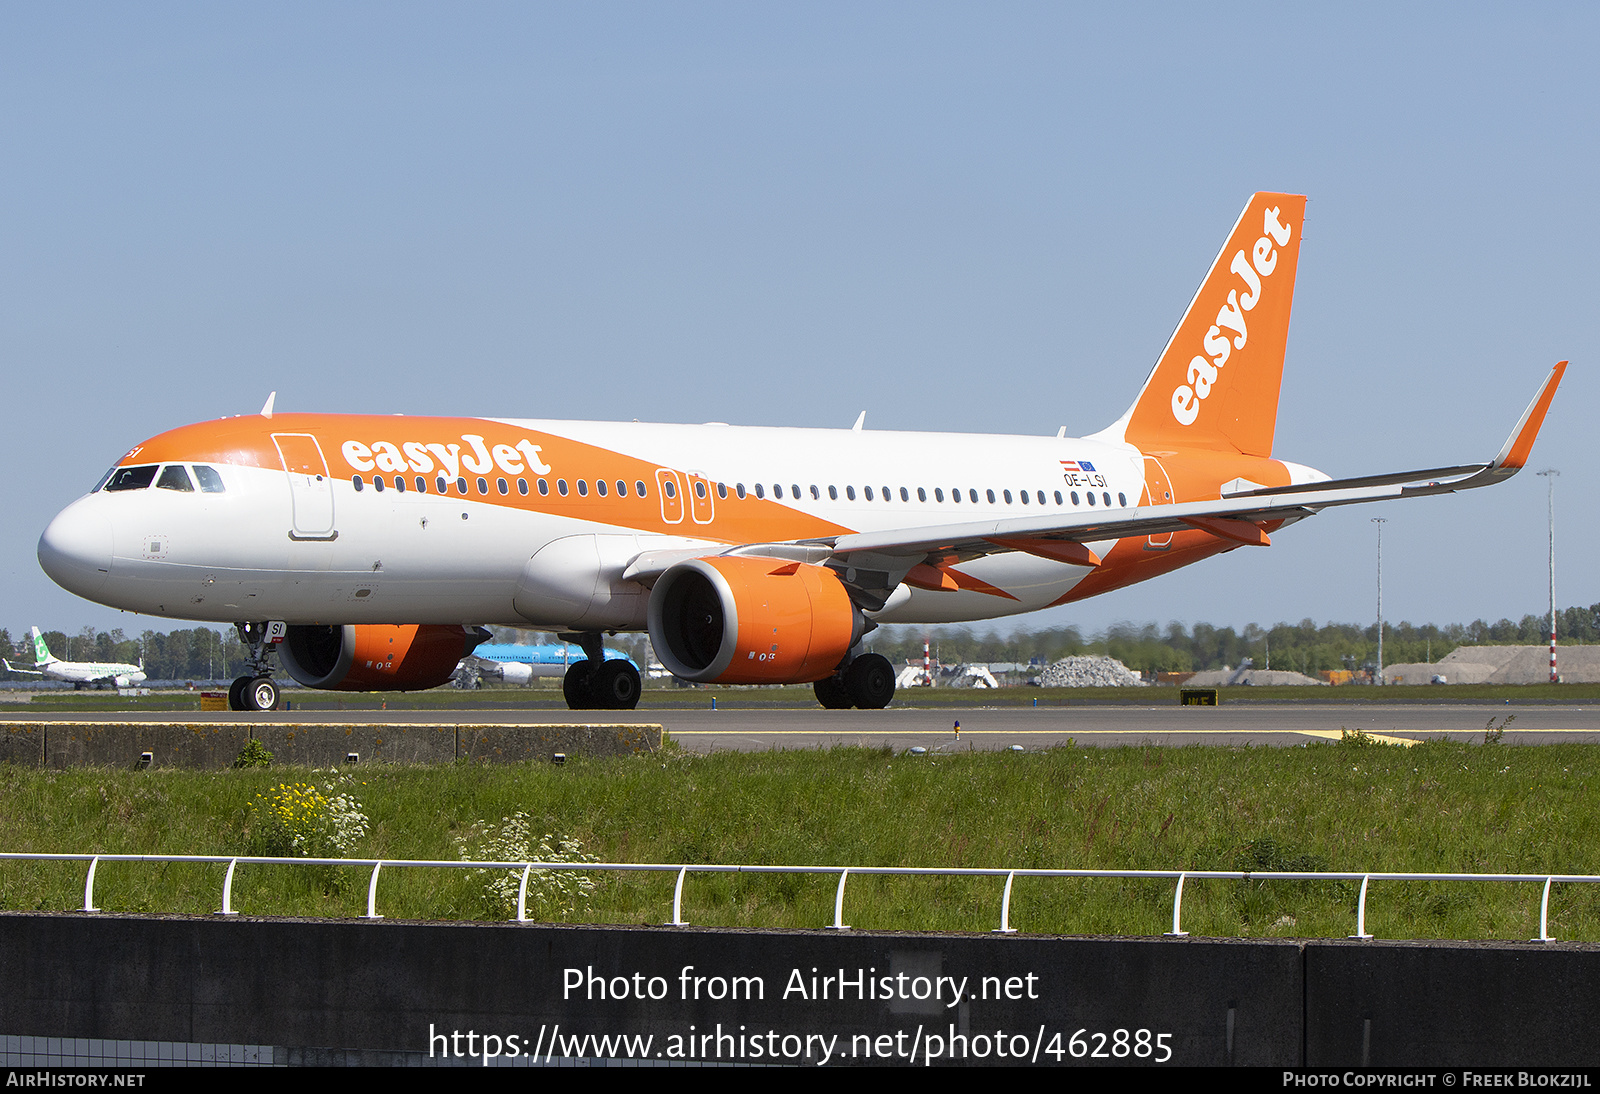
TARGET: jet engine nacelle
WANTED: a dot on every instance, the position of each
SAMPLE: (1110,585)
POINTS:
(733,619)
(376,657)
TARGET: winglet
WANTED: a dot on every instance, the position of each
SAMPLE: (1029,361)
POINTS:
(1518,446)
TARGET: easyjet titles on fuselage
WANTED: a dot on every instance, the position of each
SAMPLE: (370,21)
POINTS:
(478,458)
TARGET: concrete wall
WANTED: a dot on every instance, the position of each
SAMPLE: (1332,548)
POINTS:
(215,744)
(366,991)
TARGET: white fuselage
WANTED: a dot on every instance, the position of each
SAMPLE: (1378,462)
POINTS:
(426,557)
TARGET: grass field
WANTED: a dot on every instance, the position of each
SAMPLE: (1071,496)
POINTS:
(1440,806)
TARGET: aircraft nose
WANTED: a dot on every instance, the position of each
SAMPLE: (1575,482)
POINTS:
(75,549)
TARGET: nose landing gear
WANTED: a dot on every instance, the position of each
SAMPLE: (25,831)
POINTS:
(595,683)
(255,690)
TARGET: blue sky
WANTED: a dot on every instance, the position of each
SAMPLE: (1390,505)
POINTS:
(980,218)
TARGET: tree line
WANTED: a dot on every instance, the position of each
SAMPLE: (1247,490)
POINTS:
(204,653)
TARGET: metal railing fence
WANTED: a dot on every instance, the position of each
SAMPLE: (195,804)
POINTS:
(844,872)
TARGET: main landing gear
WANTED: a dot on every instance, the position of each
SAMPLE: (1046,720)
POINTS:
(867,682)
(255,690)
(597,684)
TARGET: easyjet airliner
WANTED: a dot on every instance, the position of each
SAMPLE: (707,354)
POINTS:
(367,550)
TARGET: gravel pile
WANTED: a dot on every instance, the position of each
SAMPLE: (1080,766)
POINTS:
(1089,672)
(1215,678)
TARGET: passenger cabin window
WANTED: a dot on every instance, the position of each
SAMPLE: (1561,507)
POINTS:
(440,485)
(210,481)
(622,489)
(583,488)
(544,487)
(132,478)
(174,477)
(358,482)
(638,488)
(600,487)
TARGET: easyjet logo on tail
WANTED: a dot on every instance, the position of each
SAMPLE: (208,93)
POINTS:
(1251,269)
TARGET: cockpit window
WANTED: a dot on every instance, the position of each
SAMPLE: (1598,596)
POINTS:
(210,481)
(103,480)
(132,478)
(174,477)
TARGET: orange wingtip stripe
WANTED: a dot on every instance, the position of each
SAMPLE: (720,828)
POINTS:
(1522,447)
(1240,531)
(1057,550)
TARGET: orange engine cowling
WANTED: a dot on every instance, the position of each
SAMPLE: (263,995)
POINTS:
(375,656)
(737,620)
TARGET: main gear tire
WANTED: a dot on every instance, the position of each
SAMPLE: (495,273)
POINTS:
(832,693)
(615,686)
(575,686)
(870,681)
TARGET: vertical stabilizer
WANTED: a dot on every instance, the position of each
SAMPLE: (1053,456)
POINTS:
(1216,384)
(41,652)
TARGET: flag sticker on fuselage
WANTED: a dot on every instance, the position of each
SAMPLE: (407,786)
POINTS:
(1081,474)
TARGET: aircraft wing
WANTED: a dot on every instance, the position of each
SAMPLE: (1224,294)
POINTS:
(1238,516)
(917,555)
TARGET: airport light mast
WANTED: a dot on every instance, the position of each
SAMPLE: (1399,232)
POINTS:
(1379,521)
(1550,475)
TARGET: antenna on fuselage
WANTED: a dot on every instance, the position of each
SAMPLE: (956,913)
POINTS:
(1061,434)
(266,408)
(861,420)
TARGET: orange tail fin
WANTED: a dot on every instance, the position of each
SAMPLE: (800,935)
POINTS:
(1216,384)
